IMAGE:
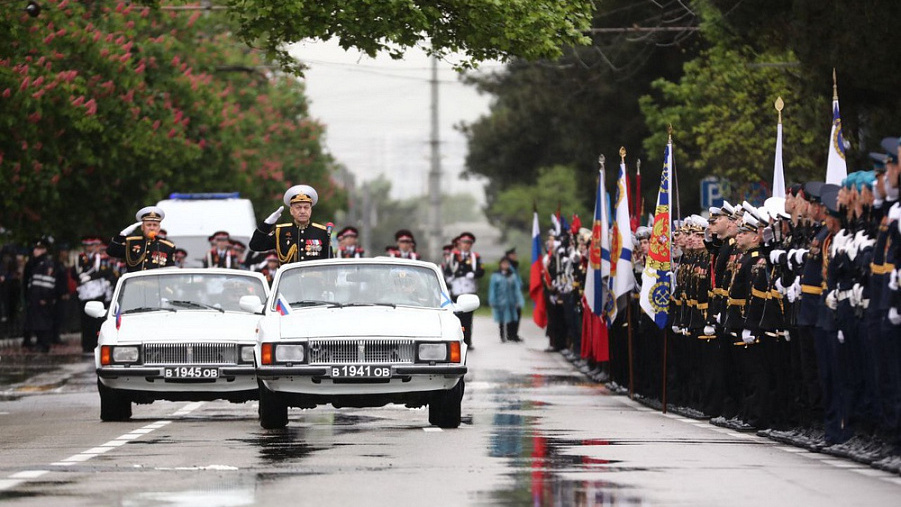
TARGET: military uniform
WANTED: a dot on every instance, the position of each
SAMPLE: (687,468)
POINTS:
(463,270)
(141,252)
(293,242)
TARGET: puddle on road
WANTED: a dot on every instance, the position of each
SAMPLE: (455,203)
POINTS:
(543,466)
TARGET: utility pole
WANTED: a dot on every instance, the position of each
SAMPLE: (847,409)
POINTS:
(435,229)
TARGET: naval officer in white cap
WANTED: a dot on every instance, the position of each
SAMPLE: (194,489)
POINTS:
(145,250)
(300,240)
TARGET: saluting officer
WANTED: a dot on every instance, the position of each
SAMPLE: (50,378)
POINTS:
(146,250)
(301,240)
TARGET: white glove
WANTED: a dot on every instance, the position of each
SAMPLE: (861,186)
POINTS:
(786,335)
(894,213)
(841,336)
(775,256)
(84,278)
(799,256)
(893,316)
(831,300)
(676,330)
(708,330)
(794,290)
(130,229)
(781,288)
(746,336)
(719,319)
(273,218)
(856,295)
(470,275)
(893,280)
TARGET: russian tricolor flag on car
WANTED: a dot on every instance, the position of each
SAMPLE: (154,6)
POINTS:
(282,306)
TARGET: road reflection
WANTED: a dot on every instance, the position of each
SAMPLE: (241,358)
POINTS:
(544,466)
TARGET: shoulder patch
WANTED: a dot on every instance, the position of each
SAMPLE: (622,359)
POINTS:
(319,226)
(167,243)
(755,253)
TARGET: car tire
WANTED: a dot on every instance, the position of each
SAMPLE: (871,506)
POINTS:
(446,413)
(113,405)
(273,410)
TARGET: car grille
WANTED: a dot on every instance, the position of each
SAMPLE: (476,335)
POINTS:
(190,353)
(361,351)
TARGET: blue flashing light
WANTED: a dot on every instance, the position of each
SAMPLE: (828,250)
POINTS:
(208,195)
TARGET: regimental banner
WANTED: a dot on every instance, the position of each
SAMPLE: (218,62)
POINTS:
(621,275)
(657,275)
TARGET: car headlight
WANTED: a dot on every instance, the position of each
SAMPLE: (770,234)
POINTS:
(125,354)
(433,351)
(289,353)
(247,354)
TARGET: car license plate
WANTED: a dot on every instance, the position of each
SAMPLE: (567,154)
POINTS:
(361,371)
(191,372)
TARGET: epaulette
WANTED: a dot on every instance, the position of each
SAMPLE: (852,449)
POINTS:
(755,253)
(167,243)
(135,237)
(319,226)
(731,241)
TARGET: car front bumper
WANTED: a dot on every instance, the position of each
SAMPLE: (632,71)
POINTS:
(317,380)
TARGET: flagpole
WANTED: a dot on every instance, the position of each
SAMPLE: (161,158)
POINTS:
(675,193)
(622,156)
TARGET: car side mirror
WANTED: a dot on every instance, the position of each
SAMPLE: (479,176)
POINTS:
(252,304)
(95,309)
(467,303)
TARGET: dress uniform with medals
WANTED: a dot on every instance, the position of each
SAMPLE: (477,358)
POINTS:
(293,242)
(145,250)
(95,282)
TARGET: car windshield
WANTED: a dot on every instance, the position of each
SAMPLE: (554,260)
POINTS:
(183,291)
(361,285)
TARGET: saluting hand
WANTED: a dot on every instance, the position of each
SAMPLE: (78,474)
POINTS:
(273,218)
(130,229)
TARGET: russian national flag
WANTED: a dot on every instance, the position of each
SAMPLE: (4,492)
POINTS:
(282,306)
(536,287)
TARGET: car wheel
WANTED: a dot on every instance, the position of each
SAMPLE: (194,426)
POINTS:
(113,405)
(447,411)
(273,410)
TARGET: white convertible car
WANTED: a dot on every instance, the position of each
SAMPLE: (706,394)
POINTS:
(360,333)
(176,334)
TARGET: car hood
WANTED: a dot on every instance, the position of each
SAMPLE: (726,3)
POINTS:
(324,322)
(188,325)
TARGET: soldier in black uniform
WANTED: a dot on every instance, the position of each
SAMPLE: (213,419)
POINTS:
(41,295)
(145,250)
(405,246)
(347,244)
(95,277)
(221,255)
(301,240)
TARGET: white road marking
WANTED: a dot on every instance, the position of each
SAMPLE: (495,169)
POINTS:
(431,429)
(28,474)
(20,477)
(786,448)
(10,483)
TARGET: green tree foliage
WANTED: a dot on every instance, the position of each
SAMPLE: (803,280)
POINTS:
(105,107)
(857,39)
(723,113)
(570,110)
(556,187)
(478,30)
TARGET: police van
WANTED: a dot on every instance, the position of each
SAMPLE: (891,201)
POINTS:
(192,218)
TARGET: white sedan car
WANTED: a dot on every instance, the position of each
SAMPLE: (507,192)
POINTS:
(360,333)
(176,334)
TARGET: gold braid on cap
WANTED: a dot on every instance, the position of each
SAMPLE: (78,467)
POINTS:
(301,197)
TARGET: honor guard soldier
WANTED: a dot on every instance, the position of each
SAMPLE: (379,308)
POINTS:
(145,250)
(406,246)
(464,269)
(221,255)
(95,281)
(301,240)
(347,244)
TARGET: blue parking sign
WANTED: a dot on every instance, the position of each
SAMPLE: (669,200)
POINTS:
(711,192)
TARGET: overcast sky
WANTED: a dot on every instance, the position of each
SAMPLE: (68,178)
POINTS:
(376,113)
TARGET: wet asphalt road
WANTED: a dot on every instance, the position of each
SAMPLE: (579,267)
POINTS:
(535,432)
